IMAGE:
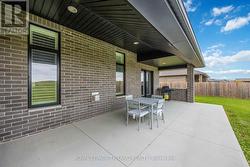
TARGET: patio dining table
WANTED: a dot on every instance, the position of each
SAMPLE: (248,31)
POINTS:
(148,102)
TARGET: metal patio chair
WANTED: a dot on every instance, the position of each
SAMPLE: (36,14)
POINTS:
(136,113)
(159,111)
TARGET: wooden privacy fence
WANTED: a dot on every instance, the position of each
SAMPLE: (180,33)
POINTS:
(226,89)
(174,85)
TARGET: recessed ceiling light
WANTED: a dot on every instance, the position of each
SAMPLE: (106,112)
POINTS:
(164,63)
(72,9)
(136,43)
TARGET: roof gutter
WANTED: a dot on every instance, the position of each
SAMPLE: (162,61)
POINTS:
(182,17)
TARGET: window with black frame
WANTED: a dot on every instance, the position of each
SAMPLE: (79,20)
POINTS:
(120,74)
(44,67)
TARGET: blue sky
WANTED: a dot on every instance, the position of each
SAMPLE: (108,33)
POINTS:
(222,28)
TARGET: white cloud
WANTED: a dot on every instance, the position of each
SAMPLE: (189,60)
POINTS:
(212,21)
(234,71)
(236,23)
(220,45)
(189,6)
(209,22)
(213,57)
(213,51)
(218,22)
(218,11)
(227,17)
(215,13)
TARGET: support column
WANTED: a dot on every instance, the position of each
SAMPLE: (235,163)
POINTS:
(200,78)
(190,83)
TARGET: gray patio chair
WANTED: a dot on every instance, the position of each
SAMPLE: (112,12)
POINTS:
(159,111)
(137,112)
(156,97)
(130,97)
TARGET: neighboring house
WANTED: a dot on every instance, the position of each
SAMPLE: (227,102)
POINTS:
(200,76)
(242,80)
(81,59)
(180,76)
(173,75)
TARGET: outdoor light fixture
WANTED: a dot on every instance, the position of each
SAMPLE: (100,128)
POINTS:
(136,43)
(72,9)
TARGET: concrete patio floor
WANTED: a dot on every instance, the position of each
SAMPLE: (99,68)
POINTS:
(194,135)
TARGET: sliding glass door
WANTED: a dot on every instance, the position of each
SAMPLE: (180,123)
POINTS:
(146,83)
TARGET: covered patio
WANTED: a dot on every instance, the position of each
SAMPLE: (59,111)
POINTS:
(78,59)
(193,135)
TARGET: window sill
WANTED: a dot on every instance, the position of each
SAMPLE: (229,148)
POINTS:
(45,108)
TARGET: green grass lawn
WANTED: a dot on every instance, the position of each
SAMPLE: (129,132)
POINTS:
(238,112)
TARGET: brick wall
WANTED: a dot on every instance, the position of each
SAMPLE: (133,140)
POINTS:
(87,65)
(190,83)
(179,94)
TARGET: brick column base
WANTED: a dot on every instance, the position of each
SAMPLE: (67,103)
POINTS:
(190,83)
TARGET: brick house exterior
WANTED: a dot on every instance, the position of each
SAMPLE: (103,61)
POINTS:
(87,65)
